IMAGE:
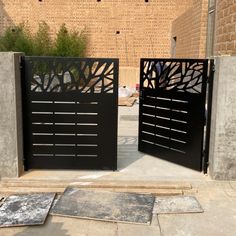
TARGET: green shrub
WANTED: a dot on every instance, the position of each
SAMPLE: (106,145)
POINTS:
(43,44)
(66,43)
(69,43)
(17,39)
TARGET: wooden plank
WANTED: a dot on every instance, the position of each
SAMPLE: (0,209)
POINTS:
(129,102)
(91,183)
(61,189)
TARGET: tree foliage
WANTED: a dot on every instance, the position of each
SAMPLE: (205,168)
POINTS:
(66,43)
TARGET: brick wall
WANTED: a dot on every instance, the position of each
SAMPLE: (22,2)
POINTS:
(225,32)
(190,30)
(127,29)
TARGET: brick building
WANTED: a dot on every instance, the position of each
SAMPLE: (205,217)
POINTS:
(134,29)
(189,31)
(225,31)
(127,29)
(207,28)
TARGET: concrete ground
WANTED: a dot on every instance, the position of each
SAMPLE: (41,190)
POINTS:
(218,199)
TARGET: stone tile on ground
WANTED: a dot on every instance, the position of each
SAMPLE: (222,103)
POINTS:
(105,205)
(177,204)
(25,209)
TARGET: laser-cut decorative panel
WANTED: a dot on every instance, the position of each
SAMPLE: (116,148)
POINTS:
(70,113)
(172,109)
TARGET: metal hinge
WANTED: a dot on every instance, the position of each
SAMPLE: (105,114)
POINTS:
(20,63)
(141,94)
(214,68)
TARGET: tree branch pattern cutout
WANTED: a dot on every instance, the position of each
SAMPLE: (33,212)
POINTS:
(173,75)
(65,75)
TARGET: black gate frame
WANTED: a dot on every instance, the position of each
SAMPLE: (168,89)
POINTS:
(172,90)
(75,100)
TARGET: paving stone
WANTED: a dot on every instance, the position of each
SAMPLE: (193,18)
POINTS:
(25,209)
(177,204)
(104,205)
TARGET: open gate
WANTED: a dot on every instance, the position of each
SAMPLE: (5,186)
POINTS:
(172,109)
(70,113)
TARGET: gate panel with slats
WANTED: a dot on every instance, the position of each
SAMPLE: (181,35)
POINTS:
(70,113)
(172,109)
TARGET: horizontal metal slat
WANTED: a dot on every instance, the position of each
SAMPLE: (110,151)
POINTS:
(173,114)
(170,104)
(155,121)
(161,141)
(174,124)
(178,145)
(64,118)
(64,139)
(165,123)
(165,132)
(82,150)
(67,129)
(72,96)
(64,107)
(154,102)
(156,139)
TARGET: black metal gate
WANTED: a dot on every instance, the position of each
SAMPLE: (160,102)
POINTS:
(172,109)
(70,113)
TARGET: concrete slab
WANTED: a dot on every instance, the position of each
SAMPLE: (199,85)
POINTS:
(28,209)
(218,219)
(105,206)
(177,205)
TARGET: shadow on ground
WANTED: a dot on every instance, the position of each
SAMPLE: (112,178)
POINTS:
(128,151)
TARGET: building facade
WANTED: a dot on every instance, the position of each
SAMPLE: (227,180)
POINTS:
(225,28)
(124,29)
(134,29)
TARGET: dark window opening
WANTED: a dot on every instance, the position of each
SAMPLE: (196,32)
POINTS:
(173,46)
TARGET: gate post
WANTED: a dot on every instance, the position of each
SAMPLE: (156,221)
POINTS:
(11,136)
(222,155)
